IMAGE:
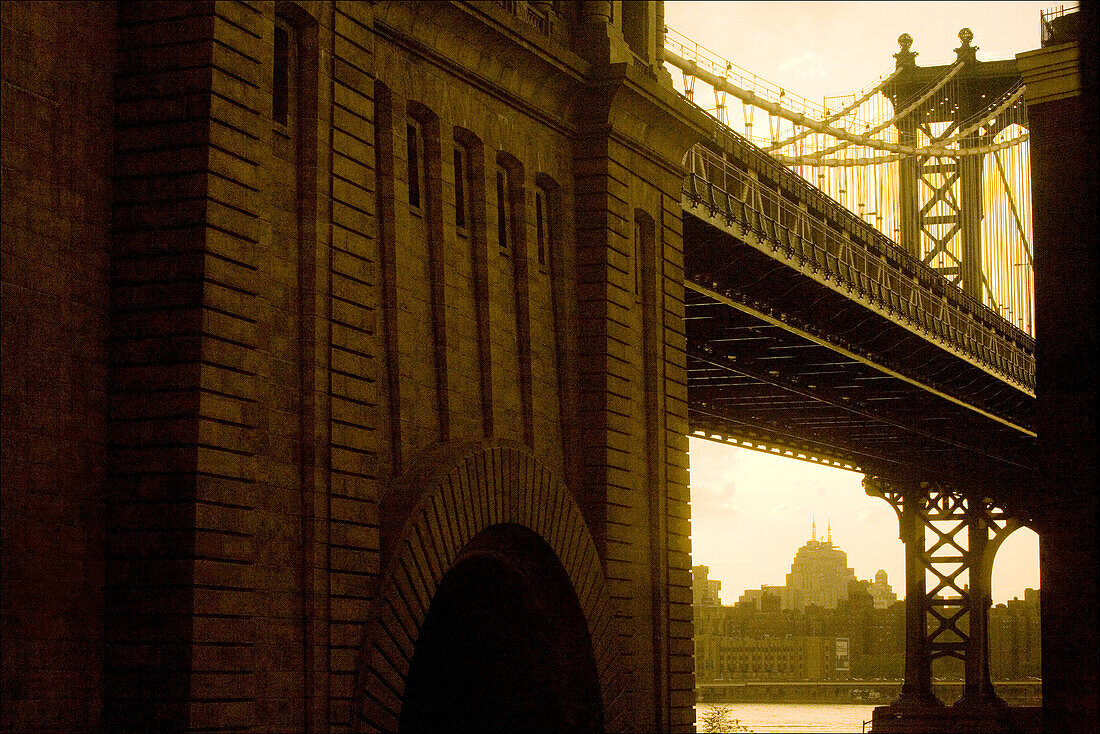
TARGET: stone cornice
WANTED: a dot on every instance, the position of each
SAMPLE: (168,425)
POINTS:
(624,103)
(1050,73)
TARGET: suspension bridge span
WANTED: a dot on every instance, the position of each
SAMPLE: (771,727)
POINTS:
(351,352)
(812,333)
(855,308)
(893,333)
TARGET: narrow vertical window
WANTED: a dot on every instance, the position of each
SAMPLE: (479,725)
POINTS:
(280,87)
(542,225)
(644,235)
(412,149)
(460,188)
(502,209)
(540,229)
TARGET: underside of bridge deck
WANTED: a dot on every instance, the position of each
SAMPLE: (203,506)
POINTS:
(779,360)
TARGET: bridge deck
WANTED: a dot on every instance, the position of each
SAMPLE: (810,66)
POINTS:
(812,333)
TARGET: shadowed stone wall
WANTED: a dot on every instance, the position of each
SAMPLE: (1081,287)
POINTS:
(306,305)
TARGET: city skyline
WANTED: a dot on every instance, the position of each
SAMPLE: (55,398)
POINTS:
(748,506)
(816,541)
(751,510)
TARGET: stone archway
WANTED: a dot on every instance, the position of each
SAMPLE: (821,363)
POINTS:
(493,612)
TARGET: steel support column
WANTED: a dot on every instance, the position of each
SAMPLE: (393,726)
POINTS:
(952,538)
(908,500)
(989,526)
(978,689)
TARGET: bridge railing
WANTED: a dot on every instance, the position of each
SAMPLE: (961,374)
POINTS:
(829,239)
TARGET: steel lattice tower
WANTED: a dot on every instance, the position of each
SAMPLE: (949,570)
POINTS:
(941,198)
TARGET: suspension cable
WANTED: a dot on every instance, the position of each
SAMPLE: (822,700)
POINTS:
(818,157)
(799,118)
(843,112)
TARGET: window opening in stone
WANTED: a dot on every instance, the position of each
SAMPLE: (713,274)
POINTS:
(502,209)
(542,225)
(636,27)
(460,187)
(643,237)
(413,158)
(280,87)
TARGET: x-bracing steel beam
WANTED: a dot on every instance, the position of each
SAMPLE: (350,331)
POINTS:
(953,536)
(941,192)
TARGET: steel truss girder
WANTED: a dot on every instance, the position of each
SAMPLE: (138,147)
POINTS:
(738,378)
(948,534)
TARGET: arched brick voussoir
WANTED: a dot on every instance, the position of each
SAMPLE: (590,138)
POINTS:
(448,495)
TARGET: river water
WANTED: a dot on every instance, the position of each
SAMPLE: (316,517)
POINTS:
(787,718)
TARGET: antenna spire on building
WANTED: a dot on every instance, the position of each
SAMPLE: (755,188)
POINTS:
(830,531)
(813,528)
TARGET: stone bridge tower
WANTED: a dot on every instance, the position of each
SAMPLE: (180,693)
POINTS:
(360,328)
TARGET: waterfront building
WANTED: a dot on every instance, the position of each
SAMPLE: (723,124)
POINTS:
(1014,638)
(766,659)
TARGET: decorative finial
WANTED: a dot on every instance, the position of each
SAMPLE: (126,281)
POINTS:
(905,58)
(966,52)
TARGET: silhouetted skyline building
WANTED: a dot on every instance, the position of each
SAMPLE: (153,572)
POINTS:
(822,624)
(881,591)
(758,640)
(705,590)
(1014,629)
(819,576)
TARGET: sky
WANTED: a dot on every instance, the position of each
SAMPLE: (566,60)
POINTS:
(751,511)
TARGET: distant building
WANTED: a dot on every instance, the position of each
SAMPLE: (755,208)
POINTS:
(881,593)
(756,641)
(819,577)
(876,635)
(705,590)
(768,658)
(790,632)
(1014,638)
(765,599)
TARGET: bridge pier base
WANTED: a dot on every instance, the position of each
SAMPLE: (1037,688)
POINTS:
(952,538)
(951,720)
(978,692)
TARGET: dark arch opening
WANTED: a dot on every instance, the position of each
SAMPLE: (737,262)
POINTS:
(504,646)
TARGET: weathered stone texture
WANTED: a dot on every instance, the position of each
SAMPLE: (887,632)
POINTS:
(55,152)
